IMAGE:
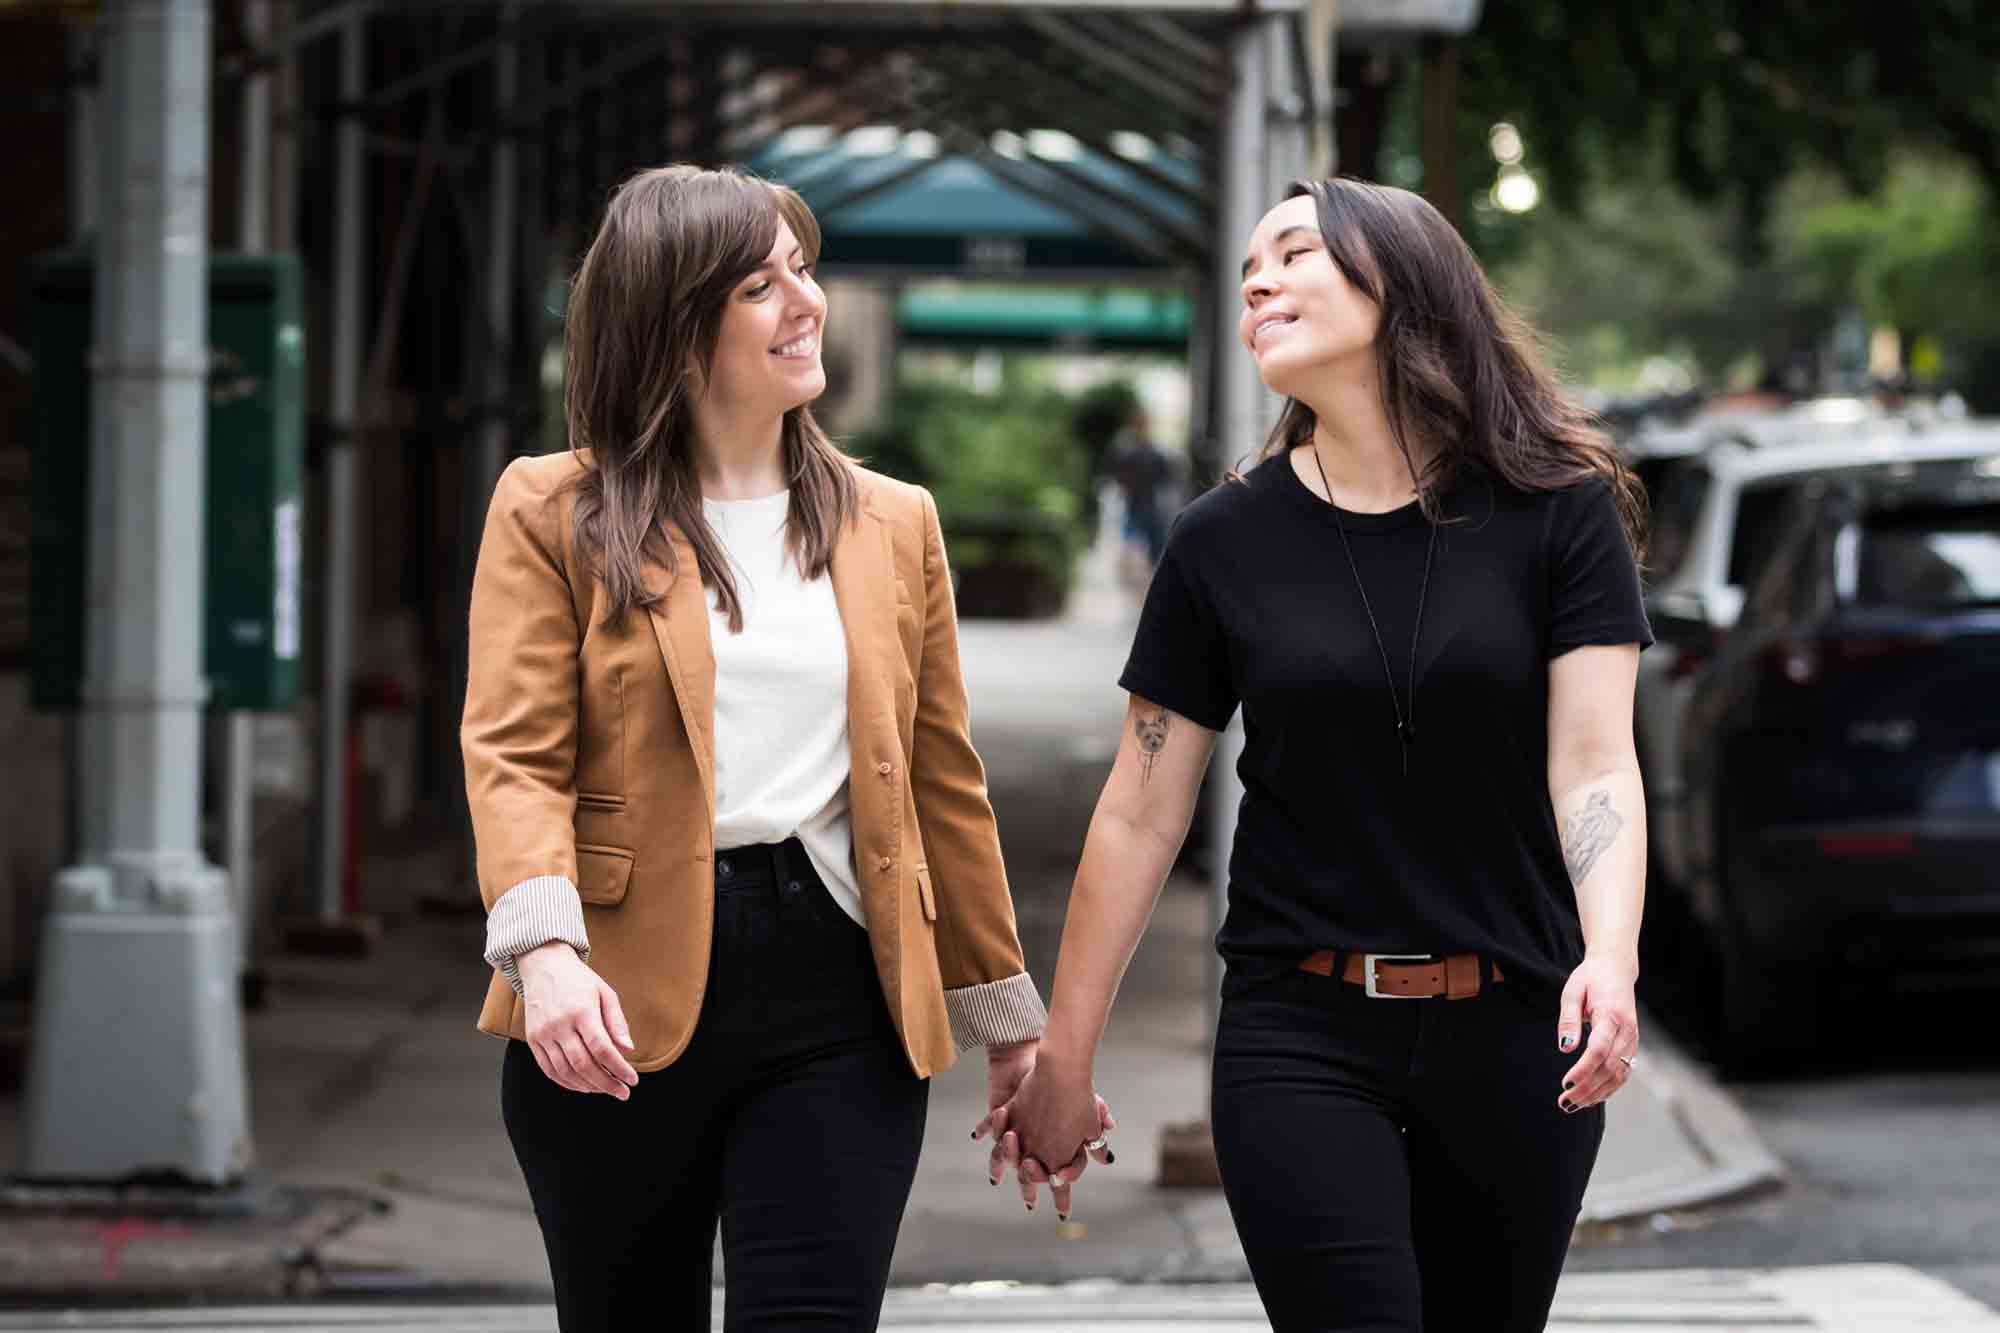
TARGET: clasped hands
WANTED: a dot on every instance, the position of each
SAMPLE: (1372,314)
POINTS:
(1046,1121)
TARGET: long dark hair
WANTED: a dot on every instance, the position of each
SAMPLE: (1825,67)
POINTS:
(645,309)
(1458,369)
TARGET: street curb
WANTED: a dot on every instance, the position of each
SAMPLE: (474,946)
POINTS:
(97,1246)
(1737,1161)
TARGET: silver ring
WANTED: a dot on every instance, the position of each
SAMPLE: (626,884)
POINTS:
(1098,1144)
(1630,1063)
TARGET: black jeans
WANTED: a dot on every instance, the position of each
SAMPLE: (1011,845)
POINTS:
(1398,1166)
(793,1117)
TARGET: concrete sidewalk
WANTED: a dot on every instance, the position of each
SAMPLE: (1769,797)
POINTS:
(384,1166)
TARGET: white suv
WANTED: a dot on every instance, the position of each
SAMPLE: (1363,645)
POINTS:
(1715,519)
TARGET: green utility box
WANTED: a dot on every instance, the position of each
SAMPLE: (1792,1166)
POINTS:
(256,446)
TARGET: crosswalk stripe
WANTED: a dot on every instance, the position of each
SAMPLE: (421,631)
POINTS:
(1849,1298)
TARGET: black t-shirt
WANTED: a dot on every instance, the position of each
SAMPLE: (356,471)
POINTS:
(1255,603)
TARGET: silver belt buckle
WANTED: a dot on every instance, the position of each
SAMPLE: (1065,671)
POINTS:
(1368,974)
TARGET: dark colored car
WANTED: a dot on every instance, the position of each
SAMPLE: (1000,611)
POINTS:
(1843,755)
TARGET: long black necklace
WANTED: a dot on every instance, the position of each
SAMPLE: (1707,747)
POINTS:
(1406,727)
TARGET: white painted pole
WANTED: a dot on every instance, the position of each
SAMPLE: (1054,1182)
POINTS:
(137,1063)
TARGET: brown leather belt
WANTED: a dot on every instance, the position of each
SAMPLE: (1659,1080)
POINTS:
(1388,976)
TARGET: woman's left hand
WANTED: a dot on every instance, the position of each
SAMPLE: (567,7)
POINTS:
(1599,993)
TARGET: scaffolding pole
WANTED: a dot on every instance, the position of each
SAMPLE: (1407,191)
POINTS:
(239,725)
(137,1064)
(342,514)
(501,205)
(1246,191)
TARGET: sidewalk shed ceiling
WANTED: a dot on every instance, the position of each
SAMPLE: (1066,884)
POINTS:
(927,134)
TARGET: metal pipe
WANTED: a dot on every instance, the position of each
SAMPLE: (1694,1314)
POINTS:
(137,945)
(253,196)
(84,48)
(85,184)
(1288,113)
(285,132)
(337,646)
(253,234)
(494,432)
(1241,172)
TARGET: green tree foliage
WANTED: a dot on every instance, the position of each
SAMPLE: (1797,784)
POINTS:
(1638,267)
(1736,93)
(1921,254)
(1007,469)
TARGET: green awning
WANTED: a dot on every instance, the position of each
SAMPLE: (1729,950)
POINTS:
(1118,318)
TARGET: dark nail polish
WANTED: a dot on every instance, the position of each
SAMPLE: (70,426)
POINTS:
(1109,1157)
(1568,1083)
(1569,1108)
(1031,1208)
(1062,1217)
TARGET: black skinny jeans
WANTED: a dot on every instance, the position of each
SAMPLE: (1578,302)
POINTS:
(793,1118)
(1398,1166)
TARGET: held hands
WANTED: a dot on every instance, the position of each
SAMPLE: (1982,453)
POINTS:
(573,1019)
(1038,1115)
(1600,994)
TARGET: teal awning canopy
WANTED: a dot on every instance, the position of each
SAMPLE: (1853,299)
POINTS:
(904,203)
(1114,319)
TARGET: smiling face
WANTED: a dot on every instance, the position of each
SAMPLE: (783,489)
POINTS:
(1301,316)
(766,358)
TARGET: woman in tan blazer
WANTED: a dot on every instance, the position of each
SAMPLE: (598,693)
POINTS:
(743,885)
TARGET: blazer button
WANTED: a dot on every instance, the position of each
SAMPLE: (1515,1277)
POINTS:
(885,769)
(885,863)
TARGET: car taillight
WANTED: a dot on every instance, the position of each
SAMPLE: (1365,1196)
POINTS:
(1866,844)
(1803,662)
(1694,655)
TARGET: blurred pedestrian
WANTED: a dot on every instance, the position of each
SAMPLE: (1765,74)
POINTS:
(1431,530)
(1144,475)
(744,889)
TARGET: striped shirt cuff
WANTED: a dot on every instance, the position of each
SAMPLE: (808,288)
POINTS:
(995,1012)
(529,915)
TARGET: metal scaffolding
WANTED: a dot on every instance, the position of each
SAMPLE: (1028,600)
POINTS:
(1164,129)
(1173,126)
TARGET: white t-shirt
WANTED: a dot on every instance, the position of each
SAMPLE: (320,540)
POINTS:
(781,756)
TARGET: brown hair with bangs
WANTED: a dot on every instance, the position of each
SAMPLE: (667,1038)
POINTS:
(1457,368)
(645,309)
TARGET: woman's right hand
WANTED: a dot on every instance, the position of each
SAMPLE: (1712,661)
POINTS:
(573,1018)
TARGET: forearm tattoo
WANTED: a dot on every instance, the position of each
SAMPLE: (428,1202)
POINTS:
(1152,736)
(1587,832)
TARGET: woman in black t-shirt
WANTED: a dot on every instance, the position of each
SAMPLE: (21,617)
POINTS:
(1425,599)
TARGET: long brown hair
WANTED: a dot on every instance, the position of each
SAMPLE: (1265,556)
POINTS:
(1457,368)
(645,309)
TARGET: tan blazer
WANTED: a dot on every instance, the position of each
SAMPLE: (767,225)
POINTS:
(590,754)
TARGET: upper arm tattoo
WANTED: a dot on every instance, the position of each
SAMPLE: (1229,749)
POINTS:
(1151,733)
(1587,832)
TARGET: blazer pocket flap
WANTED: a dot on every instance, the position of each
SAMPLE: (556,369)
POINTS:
(602,874)
(924,893)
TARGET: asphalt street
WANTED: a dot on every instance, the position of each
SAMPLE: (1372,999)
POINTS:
(1892,1138)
